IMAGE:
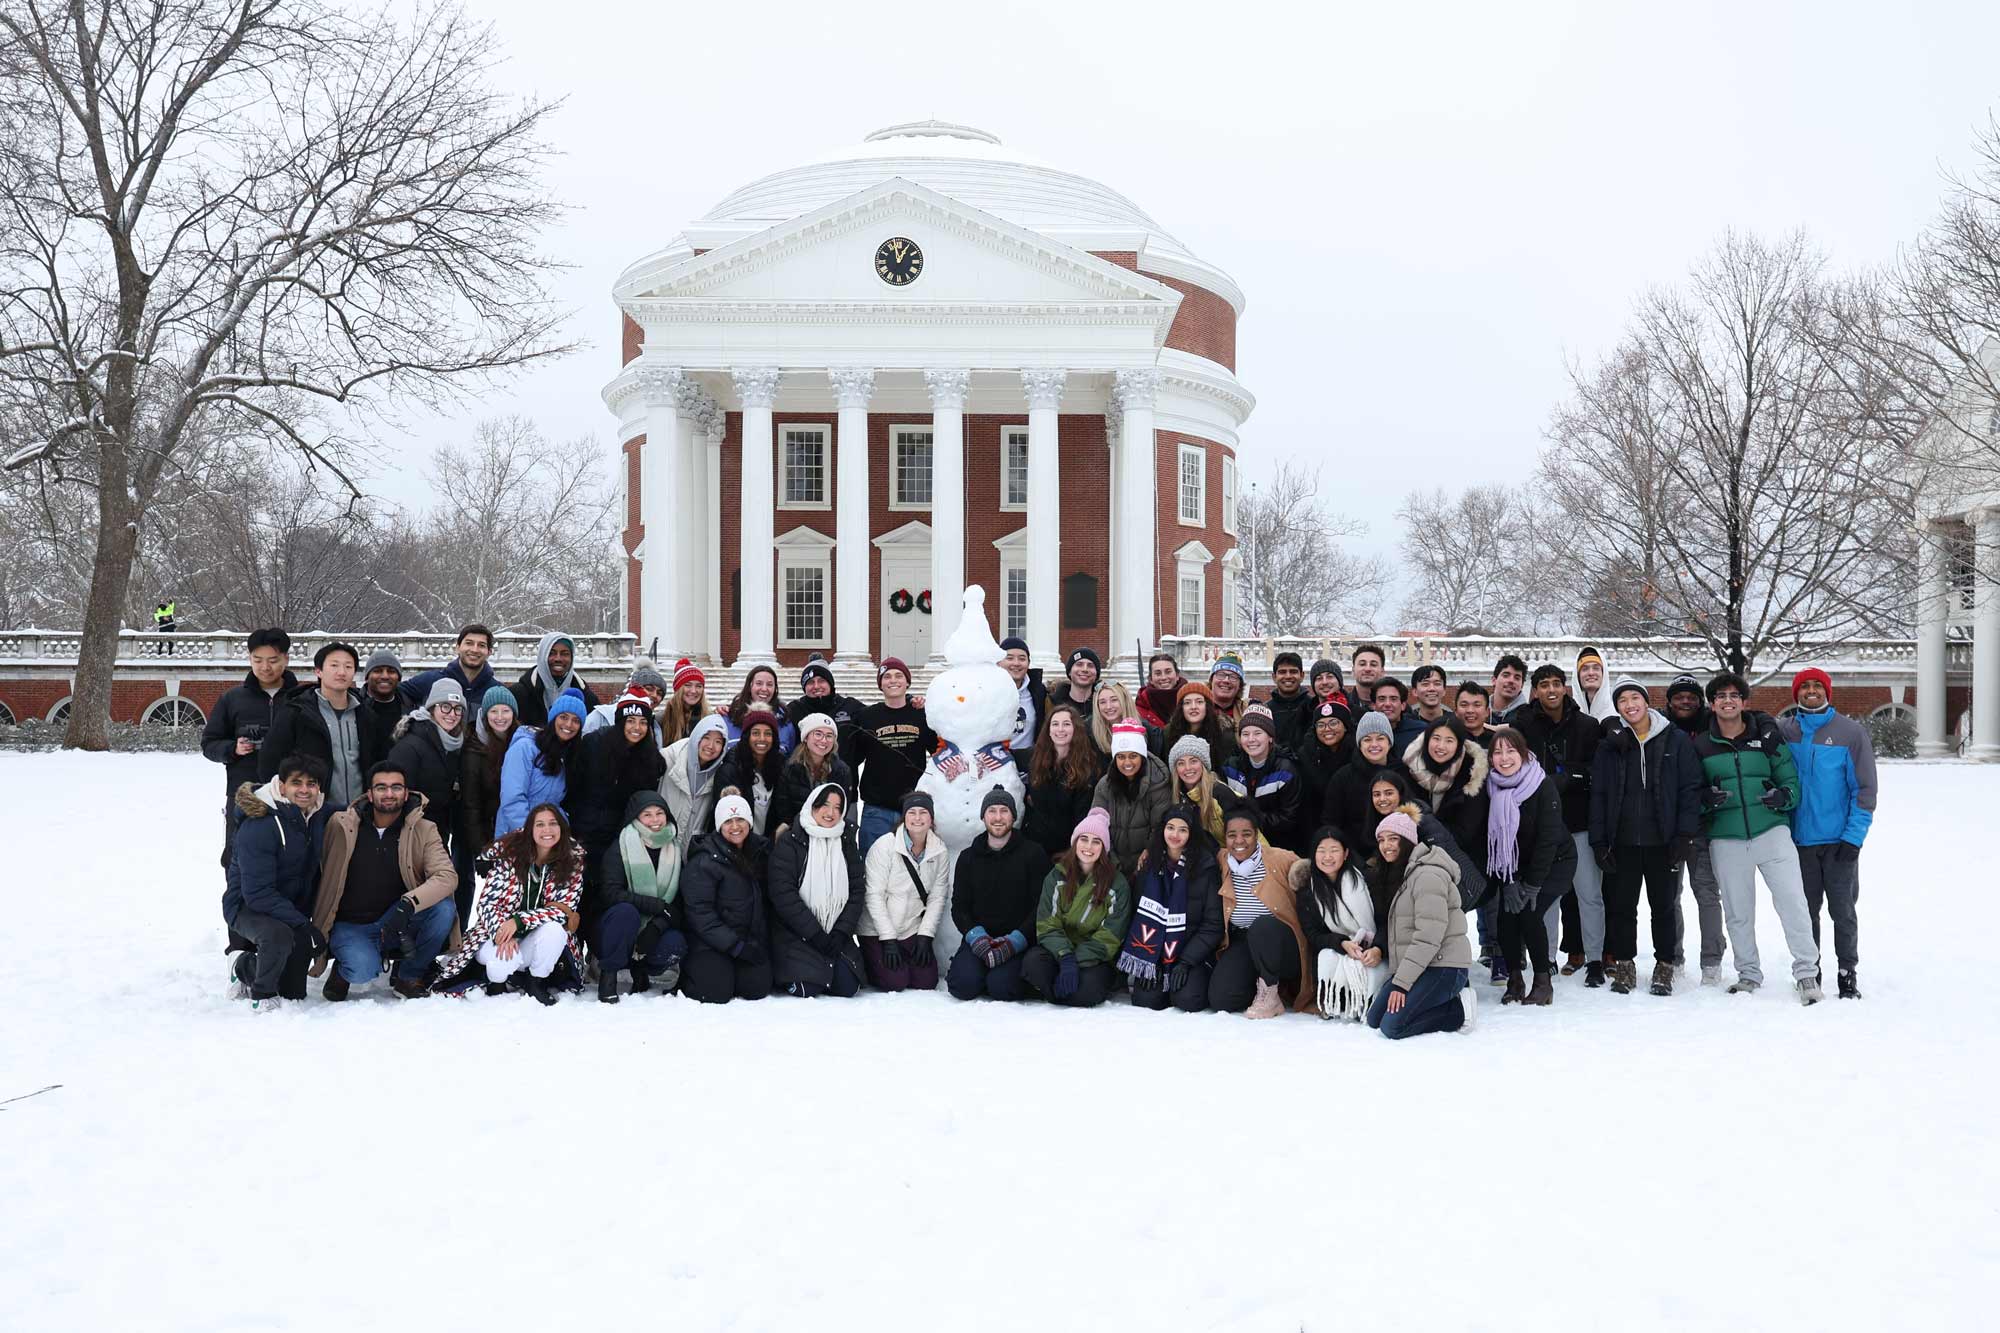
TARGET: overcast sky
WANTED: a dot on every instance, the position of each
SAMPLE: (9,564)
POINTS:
(1429,211)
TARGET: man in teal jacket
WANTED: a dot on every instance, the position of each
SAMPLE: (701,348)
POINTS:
(1836,766)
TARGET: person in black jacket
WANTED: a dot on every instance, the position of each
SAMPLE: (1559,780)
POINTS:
(1325,747)
(240,720)
(606,769)
(1062,778)
(1034,696)
(723,897)
(1687,708)
(1267,780)
(818,695)
(887,748)
(1530,859)
(1564,740)
(1347,796)
(325,719)
(640,926)
(1176,916)
(543,683)
(1645,813)
(996,889)
(430,750)
(816,761)
(1345,918)
(382,690)
(1449,771)
(273,877)
(818,892)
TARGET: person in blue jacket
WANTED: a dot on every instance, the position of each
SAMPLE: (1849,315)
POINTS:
(534,772)
(1836,765)
(273,875)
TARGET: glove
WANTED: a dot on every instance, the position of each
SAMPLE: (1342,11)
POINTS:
(827,943)
(1177,976)
(892,955)
(1607,859)
(1681,852)
(1775,798)
(1846,853)
(1152,983)
(399,930)
(1714,798)
(1066,972)
(747,951)
(920,952)
(316,944)
(649,935)
(998,951)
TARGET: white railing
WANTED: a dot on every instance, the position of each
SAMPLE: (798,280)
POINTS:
(31,647)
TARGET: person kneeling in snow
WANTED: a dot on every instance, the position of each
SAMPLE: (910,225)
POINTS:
(273,867)
(1080,923)
(995,888)
(909,881)
(385,889)
(1177,917)
(724,896)
(817,893)
(1262,960)
(526,917)
(639,923)
(1343,923)
(1428,953)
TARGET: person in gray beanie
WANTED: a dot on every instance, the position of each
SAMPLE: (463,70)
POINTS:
(382,690)
(428,747)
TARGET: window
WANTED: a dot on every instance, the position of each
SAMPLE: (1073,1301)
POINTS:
(1191,590)
(1228,503)
(805,585)
(802,467)
(6,716)
(60,713)
(1230,629)
(1014,468)
(173,712)
(910,467)
(1191,580)
(1014,608)
(805,605)
(1194,498)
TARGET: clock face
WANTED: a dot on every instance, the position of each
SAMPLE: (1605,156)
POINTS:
(898,261)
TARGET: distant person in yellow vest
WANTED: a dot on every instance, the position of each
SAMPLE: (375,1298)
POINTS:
(163,622)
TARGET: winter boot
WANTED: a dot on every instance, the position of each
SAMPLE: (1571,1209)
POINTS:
(1623,978)
(1711,974)
(1515,990)
(1267,1004)
(498,988)
(409,990)
(1593,974)
(641,981)
(540,988)
(607,986)
(1850,985)
(1468,1000)
(1744,986)
(265,1004)
(335,988)
(1544,989)
(1663,978)
(1498,969)
(1809,991)
(1573,965)
(670,975)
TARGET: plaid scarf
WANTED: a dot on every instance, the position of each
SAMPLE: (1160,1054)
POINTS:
(1159,922)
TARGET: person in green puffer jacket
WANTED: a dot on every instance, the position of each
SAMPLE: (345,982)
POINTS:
(1080,924)
(1751,789)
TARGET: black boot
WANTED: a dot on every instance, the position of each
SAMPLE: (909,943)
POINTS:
(1849,983)
(641,983)
(1593,973)
(607,986)
(543,992)
(335,988)
(497,988)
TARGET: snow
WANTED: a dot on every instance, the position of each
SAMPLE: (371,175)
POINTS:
(900,1161)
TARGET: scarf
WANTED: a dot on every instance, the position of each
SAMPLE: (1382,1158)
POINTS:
(1434,780)
(1159,923)
(823,888)
(1503,819)
(449,740)
(1353,908)
(699,778)
(1164,703)
(1250,871)
(642,877)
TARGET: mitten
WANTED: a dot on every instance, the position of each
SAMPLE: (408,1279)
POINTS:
(1066,972)
(998,951)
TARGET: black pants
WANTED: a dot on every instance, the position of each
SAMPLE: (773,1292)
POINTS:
(1524,936)
(1634,866)
(716,978)
(1265,951)
(1191,998)
(280,953)
(1572,925)
(1093,980)
(1835,884)
(846,982)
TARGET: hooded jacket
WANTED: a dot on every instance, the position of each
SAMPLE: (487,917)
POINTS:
(691,794)
(299,727)
(533,692)
(274,864)
(430,768)
(724,902)
(421,860)
(1670,774)
(1276,792)
(1135,808)
(1459,799)
(896,910)
(1744,768)
(1093,931)
(793,925)
(523,784)
(1346,804)
(1426,927)
(1835,761)
(243,710)
(1566,748)
(417,688)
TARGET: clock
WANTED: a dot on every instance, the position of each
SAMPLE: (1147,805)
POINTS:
(898,261)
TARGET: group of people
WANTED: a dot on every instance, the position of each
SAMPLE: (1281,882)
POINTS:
(1330,848)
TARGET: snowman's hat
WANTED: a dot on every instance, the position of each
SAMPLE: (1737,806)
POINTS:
(972,643)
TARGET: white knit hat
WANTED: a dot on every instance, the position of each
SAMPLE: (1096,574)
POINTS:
(731,807)
(812,722)
(1128,738)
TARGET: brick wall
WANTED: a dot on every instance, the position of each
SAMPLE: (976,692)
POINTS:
(1173,534)
(1205,324)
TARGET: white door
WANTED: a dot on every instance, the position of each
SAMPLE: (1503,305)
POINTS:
(905,634)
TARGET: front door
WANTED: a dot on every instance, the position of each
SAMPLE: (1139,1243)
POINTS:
(906,633)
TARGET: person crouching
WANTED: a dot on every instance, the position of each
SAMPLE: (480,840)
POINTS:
(639,928)
(526,917)
(1429,957)
(817,894)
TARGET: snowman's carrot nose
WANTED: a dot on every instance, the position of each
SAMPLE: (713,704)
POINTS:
(961,698)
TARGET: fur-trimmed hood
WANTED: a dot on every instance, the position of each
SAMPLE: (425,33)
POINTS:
(1466,773)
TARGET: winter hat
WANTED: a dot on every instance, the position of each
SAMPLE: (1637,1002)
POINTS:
(816,667)
(1258,716)
(1812,673)
(1194,687)
(812,722)
(1326,666)
(999,796)
(1128,737)
(382,657)
(648,676)
(891,664)
(497,696)
(570,701)
(757,715)
(1185,746)
(1086,655)
(1227,664)
(1401,825)
(1623,684)
(732,806)
(1373,724)
(685,671)
(1333,708)
(642,801)
(444,691)
(1683,684)
(1096,823)
(917,800)
(1013,641)
(632,705)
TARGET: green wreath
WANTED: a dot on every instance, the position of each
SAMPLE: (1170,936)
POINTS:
(900,601)
(924,601)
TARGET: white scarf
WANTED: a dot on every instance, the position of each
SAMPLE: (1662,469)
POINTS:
(1353,909)
(823,888)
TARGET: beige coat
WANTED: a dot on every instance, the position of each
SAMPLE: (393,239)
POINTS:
(421,859)
(1426,923)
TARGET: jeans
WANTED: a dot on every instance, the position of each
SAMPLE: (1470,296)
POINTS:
(357,948)
(1836,883)
(875,821)
(1431,1006)
(1738,862)
(619,931)
(968,978)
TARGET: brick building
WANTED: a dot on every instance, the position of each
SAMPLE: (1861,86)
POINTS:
(920,362)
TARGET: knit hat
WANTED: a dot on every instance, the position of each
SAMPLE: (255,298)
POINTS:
(1259,717)
(1812,673)
(1373,724)
(444,690)
(1185,746)
(1013,641)
(1096,823)
(1622,684)
(685,671)
(917,800)
(757,715)
(1401,825)
(999,796)
(1128,737)
(1085,655)
(891,664)
(1589,655)
(647,675)
(1194,687)
(812,722)
(632,705)
(816,667)
(733,806)
(497,696)
(1684,684)
(382,657)
(1333,708)
(570,701)
(1326,666)
(1227,664)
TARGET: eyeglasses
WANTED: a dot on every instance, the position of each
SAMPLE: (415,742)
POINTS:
(448,708)
(1731,695)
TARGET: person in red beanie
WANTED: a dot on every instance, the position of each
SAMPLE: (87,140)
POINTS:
(1836,766)
(686,705)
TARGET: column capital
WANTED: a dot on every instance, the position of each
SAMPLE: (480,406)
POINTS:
(713,420)
(688,397)
(660,383)
(1044,386)
(1135,388)
(757,386)
(948,387)
(853,386)
(1114,425)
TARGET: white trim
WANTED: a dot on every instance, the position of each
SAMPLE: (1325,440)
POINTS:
(1228,499)
(1185,573)
(1232,578)
(59,710)
(1200,454)
(1013,550)
(1194,552)
(803,548)
(826,465)
(1009,429)
(916,533)
(896,434)
(176,701)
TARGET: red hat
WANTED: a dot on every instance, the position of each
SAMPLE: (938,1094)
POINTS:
(685,671)
(756,715)
(1812,673)
(892,664)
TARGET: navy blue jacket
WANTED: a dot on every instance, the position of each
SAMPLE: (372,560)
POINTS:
(418,687)
(274,865)
(1673,779)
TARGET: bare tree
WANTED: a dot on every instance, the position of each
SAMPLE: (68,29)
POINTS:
(1477,562)
(1296,575)
(225,218)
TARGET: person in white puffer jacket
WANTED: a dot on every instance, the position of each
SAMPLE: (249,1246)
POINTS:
(908,873)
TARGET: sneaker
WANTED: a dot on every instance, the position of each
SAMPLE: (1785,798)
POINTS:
(1267,1004)
(1498,970)
(1572,965)
(1468,1000)
(265,1004)
(1711,975)
(240,973)
(1593,974)
(1744,986)
(335,988)
(670,975)
(1809,991)
(1850,985)
(1663,979)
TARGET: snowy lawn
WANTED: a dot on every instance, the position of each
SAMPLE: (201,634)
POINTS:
(906,1161)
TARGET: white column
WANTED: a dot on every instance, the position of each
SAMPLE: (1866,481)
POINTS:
(757,386)
(660,482)
(948,389)
(711,639)
(1137,594)
(1114,518)
(853,609)
(1044,388)
(689,546)
(1933,606)
(1985,745)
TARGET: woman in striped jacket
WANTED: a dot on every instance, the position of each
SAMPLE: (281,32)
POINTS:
(526,919)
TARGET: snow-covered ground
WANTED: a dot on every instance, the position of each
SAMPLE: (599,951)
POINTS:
(1734,1162)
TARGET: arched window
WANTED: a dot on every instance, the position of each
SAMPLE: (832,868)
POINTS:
(172,711)
(6,715)
(60,713)
(1902,711)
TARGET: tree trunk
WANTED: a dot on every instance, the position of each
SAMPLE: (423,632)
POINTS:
(103,617)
